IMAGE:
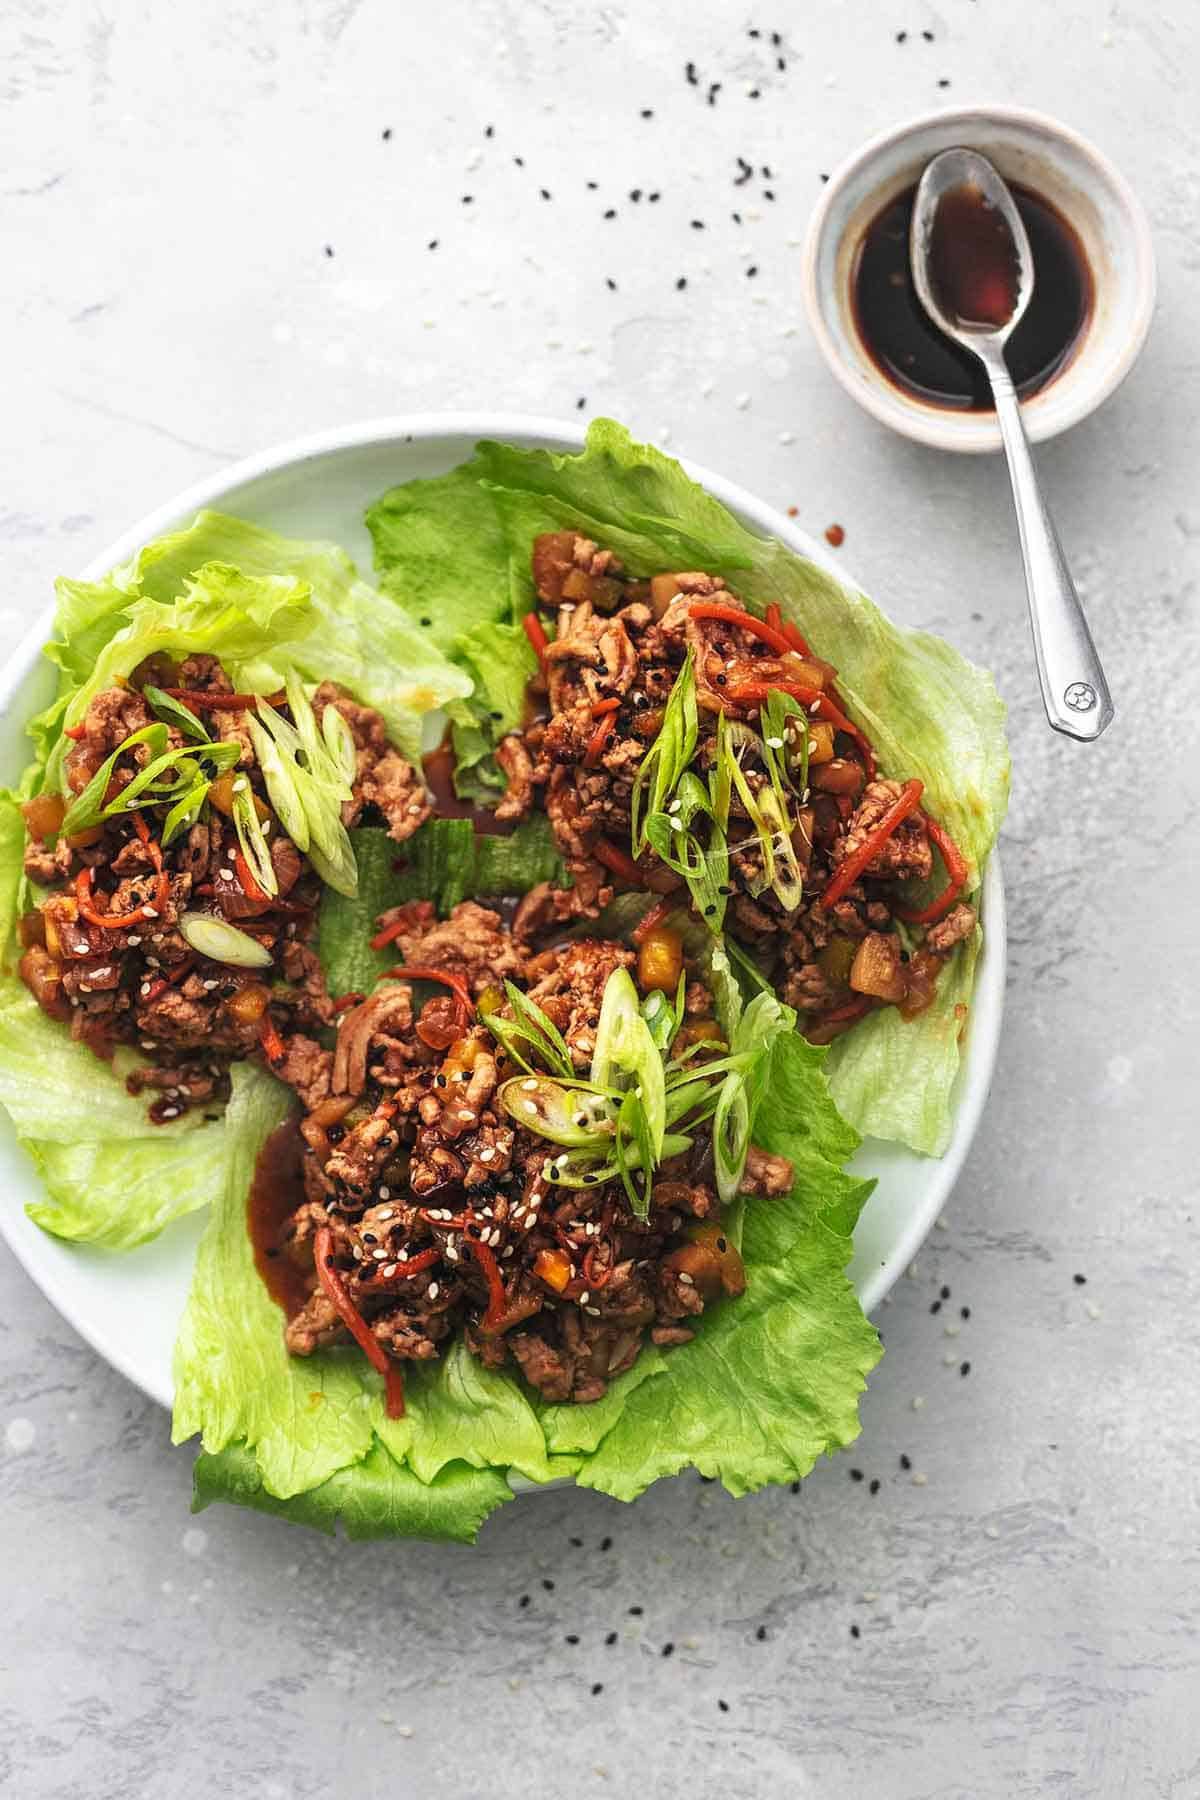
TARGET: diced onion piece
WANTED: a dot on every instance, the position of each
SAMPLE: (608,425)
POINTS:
(222,942)
(877,969)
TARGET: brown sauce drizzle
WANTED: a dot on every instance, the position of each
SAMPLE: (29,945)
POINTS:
(275,1192)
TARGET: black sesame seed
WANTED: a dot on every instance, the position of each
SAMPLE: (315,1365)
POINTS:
(547,1584)
(606,1543)
(1079,1280)
(635,1612)
(752,271)
(635,195)
(496,715)
(767,194)
(610,284)
(329,249)
(581,403)
(905,1461)
(520,161)
(593,185)
(668,1649)
(489,131)
(432,244)
(468,199)
(575,1543)
(824,176)
(754,94)
(611,1639)
(945,1293)
(647,112)
(709,911)
(723,1705)
(654,198)
(697,224)
(964,1312)
(722,1245)
(722,680)
(427,621)
(572,1637)
(780,64)
(689,72)
(545,193)
(936,1307)
(736,217)
(761,1634)
(856,1474)
(524,1600)
(943,81)
(902,37)
(681,281)
(386,134)
(795,1487)
(611,213)
(776,40)
(855,1632)
(754,32)
(713,91)
(597,1687)
(874,1485)
(964,1368)
(928,36)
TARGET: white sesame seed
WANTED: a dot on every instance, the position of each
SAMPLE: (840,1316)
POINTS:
(385,1212)
(433,1290)
(133,938)
(143,990)
(685,1279)
(530,1087)
(150,912)
(775,743)
(451,1253)
(508,1250)
(742,401)
(814,709)
(486,1155)
(560,1162)
(356,1252)
(209,985)
(787,437)
(402,1256)
(385,1193)
(388,1270)
(379,1255)
(952,1330)
(920,1480)
(585,1296)
(240,785)
(812,746)
(530,1107)
(170,1112)
(918,1401)
(950,1358)
(467,1114)
(804,796)
(594,1310)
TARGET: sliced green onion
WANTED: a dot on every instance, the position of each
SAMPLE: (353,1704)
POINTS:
(668,756)
(252,838)
(174,712)
(222,942)
(150,785)
(185,812)
(562,1114)
(788,876)
(281,787)
(532,1029)
(87,809)
(339,741)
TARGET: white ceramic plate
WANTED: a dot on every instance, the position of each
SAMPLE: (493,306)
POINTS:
(127,1306)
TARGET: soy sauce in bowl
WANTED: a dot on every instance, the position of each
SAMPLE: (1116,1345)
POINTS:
(909,349)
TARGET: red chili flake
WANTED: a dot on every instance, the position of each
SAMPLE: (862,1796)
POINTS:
(835,535)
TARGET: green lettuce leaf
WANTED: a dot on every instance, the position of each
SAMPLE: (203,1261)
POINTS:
(444,862)
(376,1498)
(930,713)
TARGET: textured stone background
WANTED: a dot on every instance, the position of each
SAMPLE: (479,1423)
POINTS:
(1026,1617)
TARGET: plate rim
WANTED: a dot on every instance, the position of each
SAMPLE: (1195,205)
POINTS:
(979,1060)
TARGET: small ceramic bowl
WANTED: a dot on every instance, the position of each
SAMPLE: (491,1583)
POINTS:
(1026,147)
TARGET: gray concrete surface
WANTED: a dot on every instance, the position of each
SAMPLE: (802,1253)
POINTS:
(1020,1622)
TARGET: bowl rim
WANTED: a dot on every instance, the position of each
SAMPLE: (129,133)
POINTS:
(927,425)
(558,436)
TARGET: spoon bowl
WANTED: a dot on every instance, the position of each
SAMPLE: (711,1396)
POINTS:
(960,200)
(966,171)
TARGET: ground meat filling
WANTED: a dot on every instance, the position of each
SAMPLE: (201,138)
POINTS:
(618,647)
(138,982)
(441,1213)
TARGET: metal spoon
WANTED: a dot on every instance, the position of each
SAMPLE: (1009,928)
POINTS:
(1074,690)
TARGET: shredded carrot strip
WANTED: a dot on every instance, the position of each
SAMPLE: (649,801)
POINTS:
(732,615)
(335,1288)
(956,870)
(849,871)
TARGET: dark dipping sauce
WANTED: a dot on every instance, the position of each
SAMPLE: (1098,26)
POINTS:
(275,1193)
(974,273)
(438,766)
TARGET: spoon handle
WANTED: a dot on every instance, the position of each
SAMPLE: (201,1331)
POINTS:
(1074,690)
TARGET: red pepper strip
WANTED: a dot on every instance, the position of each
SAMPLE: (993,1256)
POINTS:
(732,615)
(246,880)
(214,702)
(535,631)
(406,919)
(425,1259)
(598,739)
(753,693)
(595,1279)
(456,983)
(775,617)
(849,871)
(600,707)
(160,987)
(346,1000)
(339,1297)
(269,1038)
(956,869)
(75,732)
(617,861)
(658,912)
(799,644)
(497,1304)
(116,921)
